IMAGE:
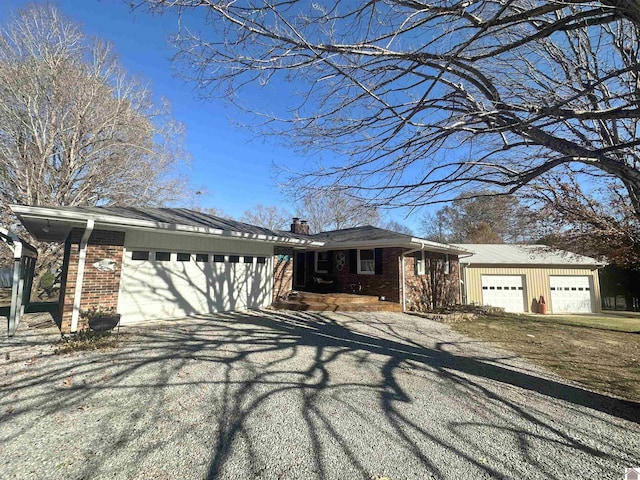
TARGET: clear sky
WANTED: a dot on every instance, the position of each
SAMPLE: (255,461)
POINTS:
(229,163)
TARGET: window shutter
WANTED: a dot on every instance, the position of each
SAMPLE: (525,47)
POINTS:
(378,260)
(330,254)
(353,261)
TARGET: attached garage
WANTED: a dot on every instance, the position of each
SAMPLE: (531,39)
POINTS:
(171,276)
(571,294)
(505,291)
(518,277)
(158,263)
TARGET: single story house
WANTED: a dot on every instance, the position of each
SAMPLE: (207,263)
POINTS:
(162,263)
(515,277)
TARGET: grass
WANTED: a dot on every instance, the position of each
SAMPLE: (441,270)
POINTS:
(614,322)
(601,353)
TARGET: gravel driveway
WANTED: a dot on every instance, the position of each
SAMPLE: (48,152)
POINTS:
(279,395)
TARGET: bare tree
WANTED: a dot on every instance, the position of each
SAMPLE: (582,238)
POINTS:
(600,224)
(420,99)
(335,209)
(268,216)
(75,129)
(397,227)
(487,218)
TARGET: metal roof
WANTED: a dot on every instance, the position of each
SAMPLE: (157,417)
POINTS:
(507,254)
(55,223)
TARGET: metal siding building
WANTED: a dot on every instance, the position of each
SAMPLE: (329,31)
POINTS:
(571,281)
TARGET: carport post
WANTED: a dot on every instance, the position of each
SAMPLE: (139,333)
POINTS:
(404,288)
(80,275)
(16,290)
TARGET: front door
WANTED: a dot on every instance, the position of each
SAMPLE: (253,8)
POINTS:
(299,269)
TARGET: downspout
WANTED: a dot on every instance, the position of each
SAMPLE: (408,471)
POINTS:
(404,289)
(80,275)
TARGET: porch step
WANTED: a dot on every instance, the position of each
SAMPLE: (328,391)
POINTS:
(332,302)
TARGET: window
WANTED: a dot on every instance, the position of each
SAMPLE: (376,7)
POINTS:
(163,256)
(234,258)
(262,260)
(218,258)
(248,259)
(183,257)
(366,262)
(322,262)
(202,257)
(140,255)
(423,263)
(446,265)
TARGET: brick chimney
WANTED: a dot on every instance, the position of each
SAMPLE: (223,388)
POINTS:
(300,227)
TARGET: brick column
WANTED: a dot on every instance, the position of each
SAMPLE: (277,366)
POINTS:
(99,287)
(282,271)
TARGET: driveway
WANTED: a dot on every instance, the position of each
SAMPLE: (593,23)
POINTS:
(279,395)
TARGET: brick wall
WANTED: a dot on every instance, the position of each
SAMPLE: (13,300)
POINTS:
(282,271)
(435,289)
(99,288)
(387,283)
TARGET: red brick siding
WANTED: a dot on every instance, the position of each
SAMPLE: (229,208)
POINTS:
(434,290)
(99,289)
(282,271)
(387,283)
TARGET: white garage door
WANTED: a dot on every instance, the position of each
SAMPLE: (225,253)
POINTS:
(159,284)
(570,294)
(505,291)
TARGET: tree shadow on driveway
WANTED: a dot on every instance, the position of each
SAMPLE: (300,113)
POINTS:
(305,395)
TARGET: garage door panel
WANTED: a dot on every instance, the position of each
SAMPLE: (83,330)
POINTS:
(171,289)
(571,294)
(504,291)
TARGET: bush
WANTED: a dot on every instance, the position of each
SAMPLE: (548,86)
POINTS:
(85,340)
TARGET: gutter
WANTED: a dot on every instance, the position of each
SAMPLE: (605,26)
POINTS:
(80,275)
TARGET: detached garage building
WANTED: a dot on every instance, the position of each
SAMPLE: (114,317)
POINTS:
(514,277)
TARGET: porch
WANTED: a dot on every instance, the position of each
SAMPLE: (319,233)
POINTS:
(332,302)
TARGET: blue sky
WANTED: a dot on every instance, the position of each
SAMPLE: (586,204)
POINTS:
(232,165)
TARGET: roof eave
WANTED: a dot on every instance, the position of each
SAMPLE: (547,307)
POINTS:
(412,243)
(114,222)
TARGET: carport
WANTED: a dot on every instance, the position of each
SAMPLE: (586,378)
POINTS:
(24,263)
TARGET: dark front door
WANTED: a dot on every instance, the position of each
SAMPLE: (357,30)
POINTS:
(299,269)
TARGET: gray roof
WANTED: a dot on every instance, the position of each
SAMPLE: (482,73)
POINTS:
(180,216)
(363,234)
(370,236)
(54,224)
(506,254)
